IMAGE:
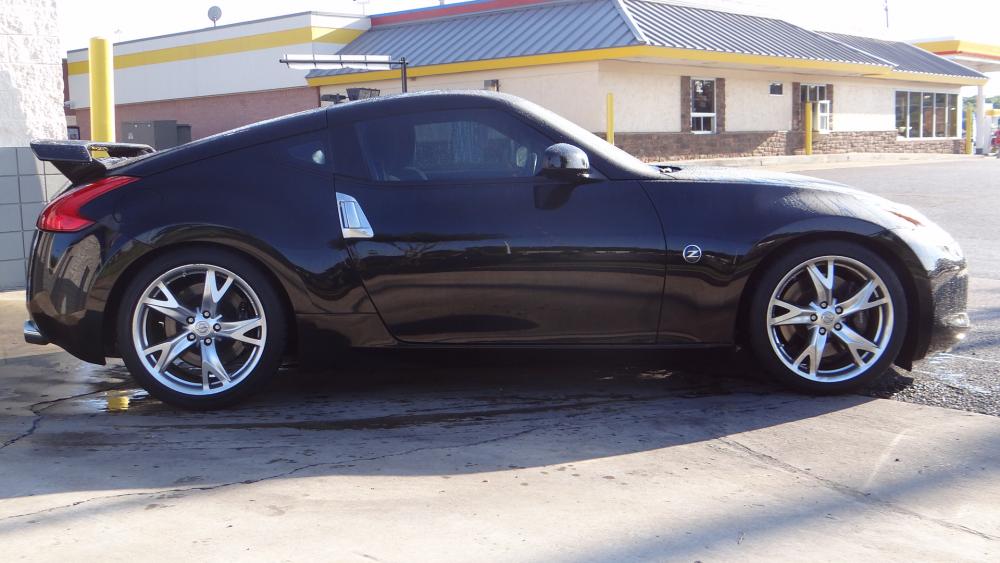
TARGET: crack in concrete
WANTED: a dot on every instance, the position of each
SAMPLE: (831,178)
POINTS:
(37,410)
(846,490)
(330,464)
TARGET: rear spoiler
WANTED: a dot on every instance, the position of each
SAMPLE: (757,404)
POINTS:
(86,160)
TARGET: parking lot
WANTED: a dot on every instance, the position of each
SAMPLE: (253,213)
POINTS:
(540,456)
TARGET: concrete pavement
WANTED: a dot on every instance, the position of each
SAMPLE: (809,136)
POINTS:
(486,458)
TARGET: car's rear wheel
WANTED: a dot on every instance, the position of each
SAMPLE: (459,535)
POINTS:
(828,317)
(201,328)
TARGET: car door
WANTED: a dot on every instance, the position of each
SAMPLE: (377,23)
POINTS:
(468,243)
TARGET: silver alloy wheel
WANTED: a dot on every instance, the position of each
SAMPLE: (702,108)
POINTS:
(199,329)
(830,318)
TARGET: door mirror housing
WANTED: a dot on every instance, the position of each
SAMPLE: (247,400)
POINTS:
(563,160)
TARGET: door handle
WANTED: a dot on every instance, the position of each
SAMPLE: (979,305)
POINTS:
(353,223)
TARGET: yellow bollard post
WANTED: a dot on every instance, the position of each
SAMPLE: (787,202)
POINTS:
(808,107)
(610,129)
(968,131)
(102,90)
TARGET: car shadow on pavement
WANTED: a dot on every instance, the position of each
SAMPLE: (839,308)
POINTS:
(439,416)
(472,412)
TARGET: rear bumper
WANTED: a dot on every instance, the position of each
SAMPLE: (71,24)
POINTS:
(32,334)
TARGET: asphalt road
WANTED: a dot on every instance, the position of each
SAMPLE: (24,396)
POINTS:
(964,198)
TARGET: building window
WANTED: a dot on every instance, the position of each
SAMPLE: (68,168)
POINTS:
(818,93)
(777,89)
(73,133)
(702,105)
(926,115)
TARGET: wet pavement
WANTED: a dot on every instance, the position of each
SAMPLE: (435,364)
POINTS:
(457,457)
(470,456)
(964,198)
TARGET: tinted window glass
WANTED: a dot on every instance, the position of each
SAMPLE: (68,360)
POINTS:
(477,144)
(307,151)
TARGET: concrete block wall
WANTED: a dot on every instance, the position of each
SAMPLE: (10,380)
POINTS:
(25,185)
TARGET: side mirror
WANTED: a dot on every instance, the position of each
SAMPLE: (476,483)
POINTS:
(563,160)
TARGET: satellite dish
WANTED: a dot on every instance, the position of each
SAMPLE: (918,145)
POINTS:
(214,14)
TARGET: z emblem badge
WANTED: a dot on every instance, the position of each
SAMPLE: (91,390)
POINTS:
(692,254)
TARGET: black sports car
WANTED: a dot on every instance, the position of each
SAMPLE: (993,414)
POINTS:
(466,219)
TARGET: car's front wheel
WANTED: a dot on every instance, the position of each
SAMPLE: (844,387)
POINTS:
(828,317)
(201,328)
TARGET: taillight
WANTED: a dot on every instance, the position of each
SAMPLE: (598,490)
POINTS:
(62,214)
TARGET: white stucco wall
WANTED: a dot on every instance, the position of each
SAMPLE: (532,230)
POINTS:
(230,73)
(870,105)
(570,90)
(751,107)
(647,96)
(31,85)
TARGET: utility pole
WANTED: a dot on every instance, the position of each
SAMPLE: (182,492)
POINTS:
(886,5)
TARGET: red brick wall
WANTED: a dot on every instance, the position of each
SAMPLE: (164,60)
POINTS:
(213,114)
(654,147)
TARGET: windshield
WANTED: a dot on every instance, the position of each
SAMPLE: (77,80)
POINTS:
(591,142)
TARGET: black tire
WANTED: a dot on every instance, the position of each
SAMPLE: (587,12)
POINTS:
(759,312)
(269,353)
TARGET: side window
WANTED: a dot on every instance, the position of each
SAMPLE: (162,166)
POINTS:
(452,145)
(308,151)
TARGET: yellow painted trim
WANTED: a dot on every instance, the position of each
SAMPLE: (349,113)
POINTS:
(646,51)
(923,77)
(229,46)
(959,46)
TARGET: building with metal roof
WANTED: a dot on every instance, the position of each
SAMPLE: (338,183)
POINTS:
(667,80)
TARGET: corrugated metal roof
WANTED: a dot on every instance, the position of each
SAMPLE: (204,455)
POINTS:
(530,30)
(560,26)
(684,27)
(905,57)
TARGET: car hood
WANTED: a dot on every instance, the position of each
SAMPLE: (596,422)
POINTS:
(890,213)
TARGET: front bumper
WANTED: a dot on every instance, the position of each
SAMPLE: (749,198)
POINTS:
(942,277)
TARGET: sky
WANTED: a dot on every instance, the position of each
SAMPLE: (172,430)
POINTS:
(121,20)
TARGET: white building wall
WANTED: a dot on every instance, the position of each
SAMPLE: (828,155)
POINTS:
(860,106)
(570,90)
(647,97)
(31,92)
(245,71)
(31,86)
(751,107)
(870,105)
